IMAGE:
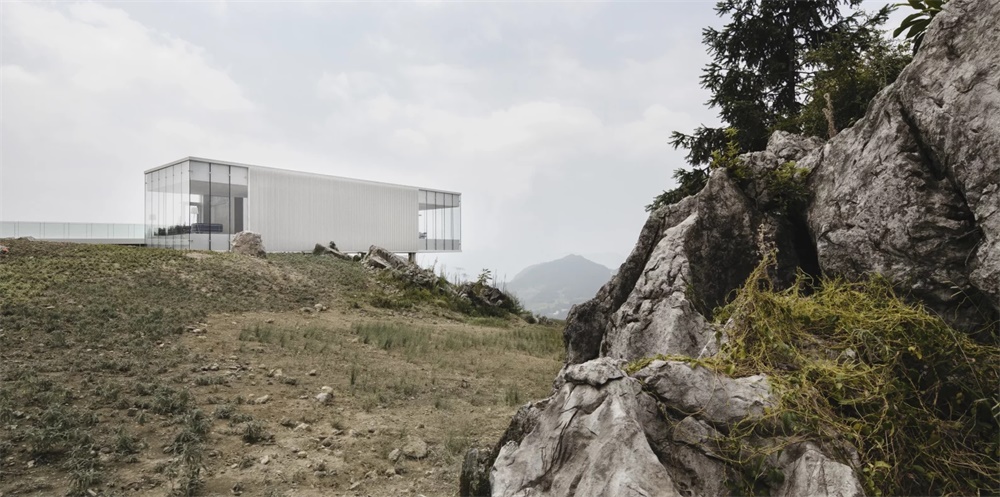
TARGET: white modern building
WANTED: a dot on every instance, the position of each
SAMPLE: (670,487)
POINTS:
(198,204)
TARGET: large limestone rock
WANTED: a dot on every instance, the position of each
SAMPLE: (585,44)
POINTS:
(707,395)
(248,243)
(587,441)
(912,191)
(688,258)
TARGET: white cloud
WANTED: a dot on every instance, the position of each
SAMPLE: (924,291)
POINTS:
(101,50)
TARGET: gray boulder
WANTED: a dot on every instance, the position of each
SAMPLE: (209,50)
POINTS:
(587,441)
(808,471)
(707,395)
(912,191)
(248,243)
(474,480)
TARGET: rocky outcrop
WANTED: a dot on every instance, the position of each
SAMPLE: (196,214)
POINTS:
(912,191)
(381,259)
(688,258)
(587,441)
(248,243)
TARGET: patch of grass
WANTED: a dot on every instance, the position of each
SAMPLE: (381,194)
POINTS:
(490,321)
(853,364)
(206,380)
(512,396)
(126,444)
(169,401)
(413,342)
(254,432)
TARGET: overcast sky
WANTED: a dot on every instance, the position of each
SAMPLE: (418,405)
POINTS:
(552,119)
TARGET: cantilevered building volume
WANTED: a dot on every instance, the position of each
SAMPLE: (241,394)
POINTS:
(199,204)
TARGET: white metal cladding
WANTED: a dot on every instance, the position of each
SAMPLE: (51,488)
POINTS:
(294,211)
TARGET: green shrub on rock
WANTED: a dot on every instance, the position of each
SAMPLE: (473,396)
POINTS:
(857,368)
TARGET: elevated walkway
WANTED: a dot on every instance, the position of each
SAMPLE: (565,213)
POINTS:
(103,233)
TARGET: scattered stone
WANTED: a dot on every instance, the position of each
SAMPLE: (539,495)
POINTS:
(312,372)
(269,321)
(415,448)
(354,485)
(248,243)
(324,397)
(332,250)
(213,367)
(262,399)
(371,475)
(301,454)
(327,389)
(307,310)
(394,455)
(390,472)
(237,489)
(302,427)
(264,460)
(320,307)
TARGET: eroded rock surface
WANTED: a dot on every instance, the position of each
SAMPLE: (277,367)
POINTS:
(912,191)
(705,394)
(587,441)
(807,471)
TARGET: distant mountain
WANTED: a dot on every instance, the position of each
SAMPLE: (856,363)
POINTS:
(551,288)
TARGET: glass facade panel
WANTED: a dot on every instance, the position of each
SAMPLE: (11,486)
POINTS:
(439,221)
(238,182)
(166,224)
(198,212)
(147,210)
(218,205)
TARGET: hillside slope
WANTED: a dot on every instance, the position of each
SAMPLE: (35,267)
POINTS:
(132,371)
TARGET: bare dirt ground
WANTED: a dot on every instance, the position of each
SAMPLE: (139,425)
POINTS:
(95,399)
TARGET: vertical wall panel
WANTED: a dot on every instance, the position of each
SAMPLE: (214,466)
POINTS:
(293,211)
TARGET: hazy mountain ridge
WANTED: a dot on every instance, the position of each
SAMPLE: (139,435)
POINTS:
(551,288)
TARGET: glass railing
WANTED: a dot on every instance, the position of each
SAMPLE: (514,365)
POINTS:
(71,231)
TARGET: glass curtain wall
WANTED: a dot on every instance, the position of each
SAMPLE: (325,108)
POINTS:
(195,205)
(167,192)
(218,204)
(439,221)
